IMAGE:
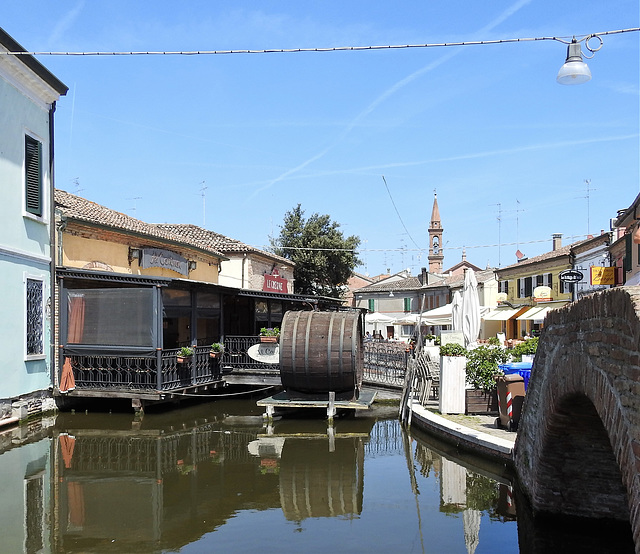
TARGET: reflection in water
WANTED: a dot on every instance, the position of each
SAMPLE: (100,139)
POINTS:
(213,478)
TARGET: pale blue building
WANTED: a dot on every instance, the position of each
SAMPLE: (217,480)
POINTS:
(28,95)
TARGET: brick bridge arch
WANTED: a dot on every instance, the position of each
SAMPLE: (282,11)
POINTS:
(578,447)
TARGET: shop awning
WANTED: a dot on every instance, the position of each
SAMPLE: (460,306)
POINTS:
(502,314)
(532,313)
(538,313)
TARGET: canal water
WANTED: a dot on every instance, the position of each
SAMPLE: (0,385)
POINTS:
(214,478)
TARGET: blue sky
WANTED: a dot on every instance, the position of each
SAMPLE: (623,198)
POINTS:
(507,149)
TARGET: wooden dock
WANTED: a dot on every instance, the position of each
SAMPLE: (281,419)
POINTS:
(283,400)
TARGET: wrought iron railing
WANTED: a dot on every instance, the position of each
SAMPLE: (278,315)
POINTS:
(235,355)
(385,363)
(145,373)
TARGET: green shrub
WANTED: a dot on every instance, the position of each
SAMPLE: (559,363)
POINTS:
(529,346)
(453,349)
(482,366)
(185,351)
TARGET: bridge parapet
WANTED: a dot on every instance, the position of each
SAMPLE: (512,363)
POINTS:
(578,447)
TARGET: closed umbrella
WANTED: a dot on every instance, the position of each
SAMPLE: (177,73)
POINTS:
(470,308)
(471,522)
(456,311)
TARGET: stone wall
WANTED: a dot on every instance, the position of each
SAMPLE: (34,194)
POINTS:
(578,447)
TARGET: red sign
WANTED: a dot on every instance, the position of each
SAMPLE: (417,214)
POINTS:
(274,283)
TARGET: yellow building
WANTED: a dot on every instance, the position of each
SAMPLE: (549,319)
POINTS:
(531,287)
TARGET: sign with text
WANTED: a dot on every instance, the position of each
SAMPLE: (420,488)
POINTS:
(274,283)
(542,294)
(603,275)
(571,276)
(267,353)
(156,257)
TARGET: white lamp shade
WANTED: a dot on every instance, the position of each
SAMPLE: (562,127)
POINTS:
(574,73)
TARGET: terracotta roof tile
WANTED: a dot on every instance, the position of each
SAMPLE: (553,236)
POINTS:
(81,209)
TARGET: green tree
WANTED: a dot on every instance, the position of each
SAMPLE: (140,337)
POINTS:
(324,257)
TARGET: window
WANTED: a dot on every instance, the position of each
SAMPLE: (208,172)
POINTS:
(33,175)
(528,288)
(407,304)
(35,320)
(372,305)
(503,286)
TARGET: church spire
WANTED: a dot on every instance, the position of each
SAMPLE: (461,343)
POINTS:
(436,256)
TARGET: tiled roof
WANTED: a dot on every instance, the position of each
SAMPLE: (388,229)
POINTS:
(210,239)
(563,251)
(81,209)
(414,283)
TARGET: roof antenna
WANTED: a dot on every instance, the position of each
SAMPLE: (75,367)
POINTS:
(203,188)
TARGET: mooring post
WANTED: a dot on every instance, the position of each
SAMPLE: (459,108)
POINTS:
(268,415)
(331,407)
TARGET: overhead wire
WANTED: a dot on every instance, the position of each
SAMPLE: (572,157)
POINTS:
(563,39)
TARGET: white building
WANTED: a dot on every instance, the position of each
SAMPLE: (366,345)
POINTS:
(28,95)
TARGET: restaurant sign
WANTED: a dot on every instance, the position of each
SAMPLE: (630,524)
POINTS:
(603,275)
(570,276)
(156,257)
(274,283)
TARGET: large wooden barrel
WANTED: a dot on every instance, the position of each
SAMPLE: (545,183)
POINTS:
(321,352)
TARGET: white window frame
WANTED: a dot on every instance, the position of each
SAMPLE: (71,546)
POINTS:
(42,279)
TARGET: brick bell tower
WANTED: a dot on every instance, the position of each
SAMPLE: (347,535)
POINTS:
(435,239)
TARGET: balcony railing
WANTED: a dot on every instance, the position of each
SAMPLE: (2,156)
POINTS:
(145,373)
(384,364)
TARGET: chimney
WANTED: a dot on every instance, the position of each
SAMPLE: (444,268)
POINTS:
(423,276)
(557,241)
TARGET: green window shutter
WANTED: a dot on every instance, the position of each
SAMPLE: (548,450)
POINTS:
(407,304)
(33,175)
(372,307)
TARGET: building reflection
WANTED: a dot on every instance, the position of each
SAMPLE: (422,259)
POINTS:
(93,484)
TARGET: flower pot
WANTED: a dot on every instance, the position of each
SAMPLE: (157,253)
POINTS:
(268,339)
(478,401)
(183,359)
(214,354)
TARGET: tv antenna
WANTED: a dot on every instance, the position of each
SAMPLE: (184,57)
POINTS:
(203,188)
(499,218)
(135,204)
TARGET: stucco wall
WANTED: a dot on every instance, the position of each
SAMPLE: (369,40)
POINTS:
(82,251)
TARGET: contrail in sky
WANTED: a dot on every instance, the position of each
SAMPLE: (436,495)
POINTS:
(387,94)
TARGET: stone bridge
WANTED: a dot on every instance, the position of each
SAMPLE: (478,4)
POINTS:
(578,447)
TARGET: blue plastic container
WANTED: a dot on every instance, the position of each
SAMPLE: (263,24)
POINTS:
(521,368)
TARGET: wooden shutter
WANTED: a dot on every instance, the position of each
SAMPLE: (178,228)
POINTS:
(33,176)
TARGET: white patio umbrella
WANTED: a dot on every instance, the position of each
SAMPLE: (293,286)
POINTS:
(456,311)
(470,308)
(407,319)
(376,317)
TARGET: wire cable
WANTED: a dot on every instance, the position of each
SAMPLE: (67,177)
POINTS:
(564,40)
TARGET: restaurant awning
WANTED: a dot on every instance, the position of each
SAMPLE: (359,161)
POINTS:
(538,313)
(503,314)
(531,313)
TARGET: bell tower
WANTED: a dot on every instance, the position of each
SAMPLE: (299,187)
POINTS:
(435,239)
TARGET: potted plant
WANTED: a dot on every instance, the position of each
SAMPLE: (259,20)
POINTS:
(481,372)
(269,334)
(216,350)
(185,354)
(452,362)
